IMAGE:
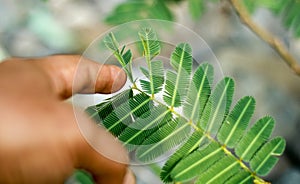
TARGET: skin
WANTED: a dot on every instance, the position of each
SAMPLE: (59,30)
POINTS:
(42,137)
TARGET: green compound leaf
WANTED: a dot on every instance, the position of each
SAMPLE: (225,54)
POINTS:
(212,144)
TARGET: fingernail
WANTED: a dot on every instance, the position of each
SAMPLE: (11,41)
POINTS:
(129,177)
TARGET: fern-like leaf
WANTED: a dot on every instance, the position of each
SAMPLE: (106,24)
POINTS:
(242,177)
(254,138)
(198,93)
(188,147)
(265,159)
(197,162)
(145,126)
(217,106)
(216,148)
(169,136)
(150,43)
(155,74)
(100,111)
(220,171)
(118,120)
(177,83)
(125,59)
(236,123)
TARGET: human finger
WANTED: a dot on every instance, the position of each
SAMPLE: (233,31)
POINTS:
(72,74)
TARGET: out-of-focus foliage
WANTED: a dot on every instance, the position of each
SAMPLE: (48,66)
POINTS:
(196,8)
(82,177)
(154,9)
(139,9)
(286,10)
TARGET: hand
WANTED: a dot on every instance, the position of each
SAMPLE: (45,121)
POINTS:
(41,141)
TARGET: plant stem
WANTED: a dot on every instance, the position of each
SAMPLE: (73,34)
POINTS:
(267,37)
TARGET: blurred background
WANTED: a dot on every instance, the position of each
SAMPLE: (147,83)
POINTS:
(41,27)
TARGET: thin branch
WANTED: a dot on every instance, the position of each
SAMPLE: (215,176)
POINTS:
(270,39)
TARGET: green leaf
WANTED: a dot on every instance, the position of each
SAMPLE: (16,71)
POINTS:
(150,44)
(181,58)
(242,177)
(143,109)
(155,76)
(118,120)
(220,172)
(196,8)
(188,147)
(254,138)
(237,122)
(167,137)
(177,83)
(145,72)
(197,162)
(156,71)
(124,59)
(217,106)
(152,128)
(100,111)
(111,43)
(145,126)
(198,93)
(266,158)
